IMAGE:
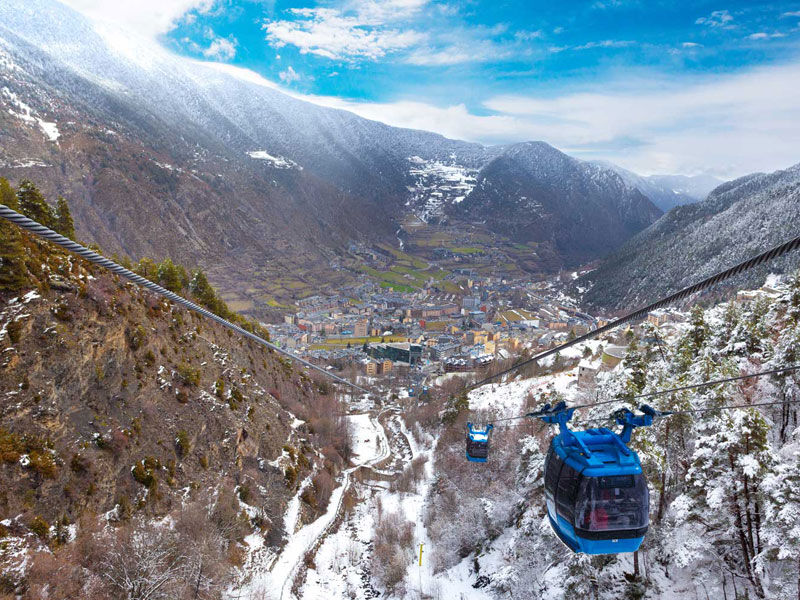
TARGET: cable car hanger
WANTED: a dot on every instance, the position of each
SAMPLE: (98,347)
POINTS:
(713,382)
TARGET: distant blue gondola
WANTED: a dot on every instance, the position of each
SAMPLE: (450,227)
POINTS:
(478,442)
(596,494)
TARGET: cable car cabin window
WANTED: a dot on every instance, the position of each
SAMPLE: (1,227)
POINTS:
(613,503)
(477,449)
(568,482)
(552,469)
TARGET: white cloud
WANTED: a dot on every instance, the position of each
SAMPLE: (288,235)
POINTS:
(691,45)
(289,76)
(147,17)
(718,18)
(765,36)
(605,44)
(725,125)
(333,34)
(221,49)
(794,13)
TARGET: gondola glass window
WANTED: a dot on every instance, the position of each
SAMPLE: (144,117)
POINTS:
(613,503)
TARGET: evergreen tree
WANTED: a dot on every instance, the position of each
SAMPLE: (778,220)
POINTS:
(7,195)
(202,290)
(12,254)
(147,269)
(169,276)
(33,204)
(782,511)
(636,367)
(699,330)
(64,224)
(731,459)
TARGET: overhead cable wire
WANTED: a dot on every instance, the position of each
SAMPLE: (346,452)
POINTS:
(672,391)
(640,313)
(93,257)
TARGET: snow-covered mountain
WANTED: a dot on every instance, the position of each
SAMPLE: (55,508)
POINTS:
(213,165)
(534,193)
(668,191)
(737,220)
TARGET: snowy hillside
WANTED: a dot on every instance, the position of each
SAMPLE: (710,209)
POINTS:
(668,191)
(738,220)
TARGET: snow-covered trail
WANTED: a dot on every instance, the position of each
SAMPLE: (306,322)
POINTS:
(276,582)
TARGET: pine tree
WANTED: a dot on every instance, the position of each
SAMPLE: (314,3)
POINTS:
(7,195)
(782,511)
(33,204)
(202,290)
(636,365)
(732,458)
(169,276)
(12,254)
(146,268)
(64,223)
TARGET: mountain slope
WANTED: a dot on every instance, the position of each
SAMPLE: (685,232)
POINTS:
(737,220)
(210,164)
(668,191)
(534,193)
(158,415)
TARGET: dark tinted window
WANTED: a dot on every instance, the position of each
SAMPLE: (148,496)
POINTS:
(616,481)
(477,449)
(568,482)
(604,506)
(552,469)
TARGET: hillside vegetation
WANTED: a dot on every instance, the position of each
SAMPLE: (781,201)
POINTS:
(139,443)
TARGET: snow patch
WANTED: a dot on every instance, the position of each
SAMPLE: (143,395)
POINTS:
(278,162)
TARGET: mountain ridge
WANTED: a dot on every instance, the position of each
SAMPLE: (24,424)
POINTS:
(737,220)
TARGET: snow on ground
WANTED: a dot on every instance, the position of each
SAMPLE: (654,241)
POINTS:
(367,442)
(508,399)
(437,184)
(27,115)
(279,162)
(274,581)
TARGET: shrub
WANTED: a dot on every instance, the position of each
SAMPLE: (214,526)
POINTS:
(11,447)
(309,497)
(235,398)
(144,472)
(14,331)
(44,463)
(188,375)
(203,461)
(219,388)
(79,464)
(244,493)
(40,527)
(183,443)
(291,476)
(137,338)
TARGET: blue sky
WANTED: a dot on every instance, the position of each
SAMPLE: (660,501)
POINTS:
(463,52)
(656,86)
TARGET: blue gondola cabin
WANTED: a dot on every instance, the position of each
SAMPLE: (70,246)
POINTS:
(597,497)
(478,442)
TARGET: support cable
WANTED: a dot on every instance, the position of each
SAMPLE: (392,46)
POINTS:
(93,257)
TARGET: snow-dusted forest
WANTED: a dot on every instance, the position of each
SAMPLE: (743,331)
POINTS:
(724,484)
